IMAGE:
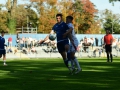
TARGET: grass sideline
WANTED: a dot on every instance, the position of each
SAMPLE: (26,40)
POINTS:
(51,74)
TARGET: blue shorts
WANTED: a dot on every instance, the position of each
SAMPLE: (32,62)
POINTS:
(2,52)
(61,45)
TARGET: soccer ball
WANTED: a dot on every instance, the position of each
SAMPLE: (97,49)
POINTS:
(52,37)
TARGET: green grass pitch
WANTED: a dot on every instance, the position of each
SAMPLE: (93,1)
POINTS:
(51,74)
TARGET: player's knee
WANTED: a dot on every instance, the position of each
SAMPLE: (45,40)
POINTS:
(66,48)
(4,56)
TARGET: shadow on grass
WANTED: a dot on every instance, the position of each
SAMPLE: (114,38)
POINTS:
(51,74)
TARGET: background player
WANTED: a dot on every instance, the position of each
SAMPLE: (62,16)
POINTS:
(2,48)
(62,42)
(73,44)
(108,39)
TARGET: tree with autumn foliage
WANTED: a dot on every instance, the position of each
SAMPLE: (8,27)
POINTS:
(17,16)
(83,12)
(84,15)
(3,19)
(47,11)
(22,12)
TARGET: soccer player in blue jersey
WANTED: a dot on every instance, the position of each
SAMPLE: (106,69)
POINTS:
(2,48)
(62,42)
(73,44)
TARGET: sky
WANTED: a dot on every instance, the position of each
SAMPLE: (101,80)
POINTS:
(100,5)
(104,4)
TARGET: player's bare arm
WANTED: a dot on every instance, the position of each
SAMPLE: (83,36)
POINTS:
(68,32)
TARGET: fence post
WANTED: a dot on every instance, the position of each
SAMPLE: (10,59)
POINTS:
(22,29)
(36,30)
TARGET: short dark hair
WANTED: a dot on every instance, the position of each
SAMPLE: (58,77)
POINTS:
(59,14)
(108,30)
(70,17)
(2,31)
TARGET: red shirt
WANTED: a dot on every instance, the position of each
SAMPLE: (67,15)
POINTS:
(9,39)
(108,39)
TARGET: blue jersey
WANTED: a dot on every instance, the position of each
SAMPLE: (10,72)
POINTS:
(60,29)
(2,42)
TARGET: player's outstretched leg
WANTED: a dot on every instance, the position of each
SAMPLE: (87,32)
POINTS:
(78,65)
(70,63)
(69,66)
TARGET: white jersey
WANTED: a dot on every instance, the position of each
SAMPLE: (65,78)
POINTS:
(73,38)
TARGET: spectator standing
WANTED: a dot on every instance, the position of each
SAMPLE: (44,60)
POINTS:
(102,41)
(29,42)
(21,44)
(96,41)
(23,39)
(26,42)
(92,42)
(85,43)
(10,41)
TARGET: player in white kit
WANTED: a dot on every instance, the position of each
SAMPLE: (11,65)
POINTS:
(73,45)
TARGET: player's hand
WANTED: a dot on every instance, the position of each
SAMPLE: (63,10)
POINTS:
(111,45)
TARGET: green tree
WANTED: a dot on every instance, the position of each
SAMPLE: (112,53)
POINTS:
(3,19)
(110,21)
(84,16)
(47,11)
(82,11)
(21,16)
(11,7)
(113,1)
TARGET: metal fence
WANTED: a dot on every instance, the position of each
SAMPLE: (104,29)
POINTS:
(46,51)
(50,52)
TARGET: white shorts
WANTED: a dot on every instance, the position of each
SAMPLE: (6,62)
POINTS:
(72,48)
